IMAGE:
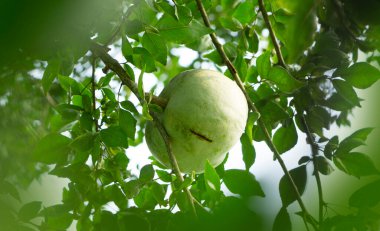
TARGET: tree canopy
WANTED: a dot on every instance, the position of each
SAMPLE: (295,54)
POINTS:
(73,102)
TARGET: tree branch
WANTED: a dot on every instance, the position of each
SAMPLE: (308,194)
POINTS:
(311,140)
(112,64)
(238,81)
(172,159)
(314,151)
(264,12)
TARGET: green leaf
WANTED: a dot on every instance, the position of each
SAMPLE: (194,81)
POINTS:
(159,192)
(356,139)
(282,221)
(51,72)
(156,45)
(84,142)
(126,47)
(8,188)
(109,93)
(77,172)
(53,148)
(146,173)
(324,165)
(304,159)
(175,31)
(132,221)
(231,23)
(287,192)
(285,138)
(294,23)
(283,80)
(248,150)
(131,188)
(114,136)
(272,112)
(242,182)
(105,80)
(164,176)
(128,105)
(263,64)
(114,193)
(145,199)
(127,123)
(346,91)
(29,211)
(212,180)
(245,12)
(331,146)
(361,75)
(356,164)
(366,196)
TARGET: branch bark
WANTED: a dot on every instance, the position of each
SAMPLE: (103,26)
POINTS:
(238,81)
(314,146)
(112,64)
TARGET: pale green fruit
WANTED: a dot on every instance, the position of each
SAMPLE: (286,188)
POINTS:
(205,116)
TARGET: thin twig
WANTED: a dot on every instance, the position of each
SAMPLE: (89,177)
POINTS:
(238,81)
(172,159)
(110,62)
(314,147)
(314,151)
(264,12)
(101,52)
(93,88)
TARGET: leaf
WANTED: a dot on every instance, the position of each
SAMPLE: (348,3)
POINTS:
(114,193)
(263,64)
(53,148)
(324,165)
(356,164)
(50,73)
(356,139)
(212,180)
(287,192)
(156,46)
(131,188)
(361,75)
(248,150)
(84,142)
(126,47)
(146,173)
(245,12)
(77,172)
(114,136)
(29,211)
(109,93)
(231,23)
(285,138)
(127,123)
(366,196)
(272,112)
(159,192)
(164,176)
(346,92)
(128,105)
(145,199)
(282,221)
(175,31)
(331,146)
(294,24)
(303,160)
(242,182)
(283,80)
(8,188)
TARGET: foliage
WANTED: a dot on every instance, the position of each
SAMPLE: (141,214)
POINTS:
(65,111)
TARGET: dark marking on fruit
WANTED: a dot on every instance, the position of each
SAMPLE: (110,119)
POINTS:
(200,136)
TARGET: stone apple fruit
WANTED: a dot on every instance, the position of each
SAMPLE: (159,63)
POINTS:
(205,116)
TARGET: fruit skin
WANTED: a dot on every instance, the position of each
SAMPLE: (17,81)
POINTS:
(205,116)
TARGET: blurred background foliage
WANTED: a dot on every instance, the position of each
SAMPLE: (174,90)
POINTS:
(64,112)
